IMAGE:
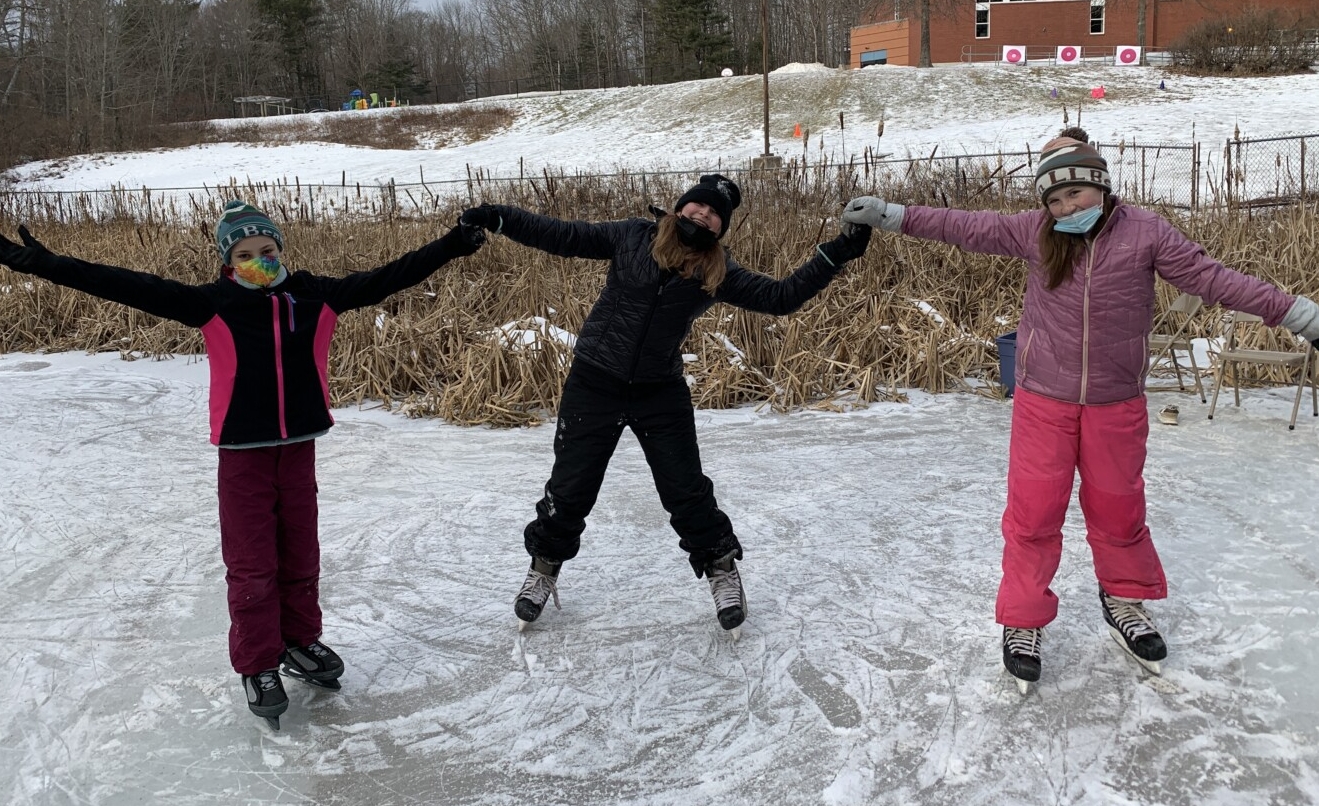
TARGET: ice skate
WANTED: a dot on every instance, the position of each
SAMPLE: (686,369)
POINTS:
(730,600)
(314,663)
(265,695)
(542,582)
(1168,415)
(1134,630)
(1021,655)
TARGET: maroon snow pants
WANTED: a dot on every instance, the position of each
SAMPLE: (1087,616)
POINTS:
(271,552)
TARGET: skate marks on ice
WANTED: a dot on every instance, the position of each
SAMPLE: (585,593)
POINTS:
(868,672)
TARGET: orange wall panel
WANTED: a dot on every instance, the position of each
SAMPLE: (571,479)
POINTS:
(893,36)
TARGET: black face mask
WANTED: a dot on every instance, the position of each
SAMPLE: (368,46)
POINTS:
(694,236)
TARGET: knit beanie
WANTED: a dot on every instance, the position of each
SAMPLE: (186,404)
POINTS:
(1065,161)
(718,191)
(241,220)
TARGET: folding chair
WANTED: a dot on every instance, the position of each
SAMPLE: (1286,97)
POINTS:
(1232,355)
(1172,335)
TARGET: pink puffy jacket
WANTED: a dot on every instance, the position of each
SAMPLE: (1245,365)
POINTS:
(1087,340)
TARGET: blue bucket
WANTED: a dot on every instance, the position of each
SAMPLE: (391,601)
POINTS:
(1007,362)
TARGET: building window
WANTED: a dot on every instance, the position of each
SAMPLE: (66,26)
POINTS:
(982,20)
(874,57)
(1096,16)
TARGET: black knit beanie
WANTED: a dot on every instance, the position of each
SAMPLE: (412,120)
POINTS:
(718,191)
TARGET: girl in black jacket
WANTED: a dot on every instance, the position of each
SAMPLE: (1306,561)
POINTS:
(627,371)
(267,335)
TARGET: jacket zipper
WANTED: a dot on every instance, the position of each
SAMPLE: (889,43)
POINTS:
(1085,308)
(1085,322)
(650,314)
(279,365)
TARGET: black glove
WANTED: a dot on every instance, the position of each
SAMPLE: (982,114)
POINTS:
(23,258)
(463,239)
(849,245)
(485,217)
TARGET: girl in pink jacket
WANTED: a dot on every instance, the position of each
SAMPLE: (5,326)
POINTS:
(1080,369)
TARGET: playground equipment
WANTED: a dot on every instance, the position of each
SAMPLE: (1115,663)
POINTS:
(357,100)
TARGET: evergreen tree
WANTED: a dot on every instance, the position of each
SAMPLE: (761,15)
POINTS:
(295,25)
(692,39)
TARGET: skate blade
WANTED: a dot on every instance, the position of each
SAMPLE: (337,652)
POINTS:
(328,685)
(522,625)
(273,722)
(735,633)
(331,684)
(1023,686)
(1152,666)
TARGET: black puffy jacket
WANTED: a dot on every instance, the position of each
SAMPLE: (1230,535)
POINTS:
(636,329)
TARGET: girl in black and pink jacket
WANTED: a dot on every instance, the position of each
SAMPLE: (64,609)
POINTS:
(267,333)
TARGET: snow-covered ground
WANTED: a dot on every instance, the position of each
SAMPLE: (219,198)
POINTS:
(718,123)
(868,672)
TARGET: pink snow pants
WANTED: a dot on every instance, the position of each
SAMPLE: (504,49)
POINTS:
(1050,441)
(271,552)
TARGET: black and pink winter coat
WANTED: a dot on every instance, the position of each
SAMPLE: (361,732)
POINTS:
(268,349)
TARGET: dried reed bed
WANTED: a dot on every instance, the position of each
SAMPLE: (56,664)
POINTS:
(911,314)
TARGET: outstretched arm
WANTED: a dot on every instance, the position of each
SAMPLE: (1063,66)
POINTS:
(553,235)
(162,297)
(980,231)
(760,292)
(1186,265)
(361,289)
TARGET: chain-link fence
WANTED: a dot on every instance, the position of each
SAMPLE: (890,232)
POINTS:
(1270,171)
(1257,172)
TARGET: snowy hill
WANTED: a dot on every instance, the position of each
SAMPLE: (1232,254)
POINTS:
(714,122)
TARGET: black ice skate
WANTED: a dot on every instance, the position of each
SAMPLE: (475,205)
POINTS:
(1021,655)
(1134,630)
(730,600)
(314,663)
(541,583)
(265,695)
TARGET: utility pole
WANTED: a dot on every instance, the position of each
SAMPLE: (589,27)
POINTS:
(764,65)
(765,160)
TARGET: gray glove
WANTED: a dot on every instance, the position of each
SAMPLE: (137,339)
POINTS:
(1303,320)
(874,212)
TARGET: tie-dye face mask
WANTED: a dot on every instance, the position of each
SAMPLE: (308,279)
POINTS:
(260,271)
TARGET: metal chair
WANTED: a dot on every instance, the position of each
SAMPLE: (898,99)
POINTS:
(1172,335)
(1232,355)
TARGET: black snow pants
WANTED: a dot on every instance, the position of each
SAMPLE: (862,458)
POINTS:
(595,408)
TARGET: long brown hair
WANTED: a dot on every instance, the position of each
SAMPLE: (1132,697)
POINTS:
(1060,250)
(671,253)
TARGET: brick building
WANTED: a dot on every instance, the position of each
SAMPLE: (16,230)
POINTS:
(977,30)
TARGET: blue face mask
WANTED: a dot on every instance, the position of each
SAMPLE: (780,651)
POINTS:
(1080,222)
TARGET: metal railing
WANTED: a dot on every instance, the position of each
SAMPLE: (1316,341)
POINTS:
(1048,54)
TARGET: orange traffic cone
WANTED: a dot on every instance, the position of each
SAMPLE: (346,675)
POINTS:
(796,130)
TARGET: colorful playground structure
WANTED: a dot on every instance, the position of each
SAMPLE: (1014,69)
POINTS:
(357,100)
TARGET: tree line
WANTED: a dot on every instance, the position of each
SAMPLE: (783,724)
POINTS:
(86,75)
